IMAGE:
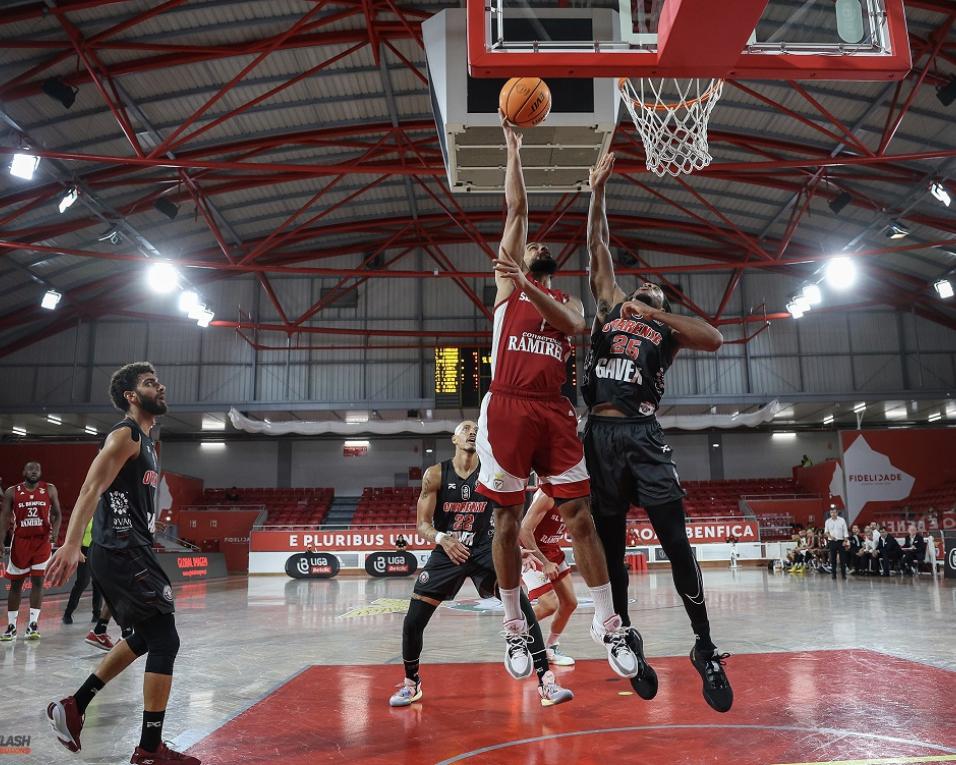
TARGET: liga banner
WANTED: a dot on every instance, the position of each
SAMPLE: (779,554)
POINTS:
(336,541)
(711,532)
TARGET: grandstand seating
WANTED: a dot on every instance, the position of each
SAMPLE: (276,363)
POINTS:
(940,499)
(286,507)
(721,499)
(386,506)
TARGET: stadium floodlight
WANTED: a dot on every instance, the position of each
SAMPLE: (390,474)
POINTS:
(18,431)
(860,408)
(802,301)
(796,311)
(51,299)
(944,288)
(812,294)
(840,273)
(205,317)
(828,420)
(59,90)
(55,419)
(940,194)
(23,166)
(66,202)
(90,430)
(935,417)
(896,230)
(162,277)
(189,302)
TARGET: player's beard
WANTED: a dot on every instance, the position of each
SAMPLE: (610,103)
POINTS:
(547,266)
(645,299)
(151,405)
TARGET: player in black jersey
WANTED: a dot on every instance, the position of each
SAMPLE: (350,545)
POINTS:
(461,522)
(633,342)
(120,494)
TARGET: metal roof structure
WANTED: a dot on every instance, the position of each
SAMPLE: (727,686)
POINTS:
(296,138)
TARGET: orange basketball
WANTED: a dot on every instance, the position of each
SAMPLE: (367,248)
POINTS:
(525,101)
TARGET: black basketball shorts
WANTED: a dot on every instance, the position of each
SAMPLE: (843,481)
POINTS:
(132,582)
(629,463)
(441,579)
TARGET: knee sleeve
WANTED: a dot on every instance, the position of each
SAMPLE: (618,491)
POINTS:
(162,642)
(413,628)
(136,644)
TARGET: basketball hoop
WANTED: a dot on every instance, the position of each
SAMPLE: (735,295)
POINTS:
(671,116)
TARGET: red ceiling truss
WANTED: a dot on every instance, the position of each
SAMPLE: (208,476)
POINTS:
(186,167)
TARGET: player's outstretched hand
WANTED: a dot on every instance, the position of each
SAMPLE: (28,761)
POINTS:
(455,549)
(635,309)
(507,268)
(602,171)
(62,565)
(512,136)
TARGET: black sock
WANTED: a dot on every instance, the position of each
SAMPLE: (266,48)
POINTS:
(703,645)
(539,652)
(87,691)
(411,670)
(152,735)
(413,635)
(100,627)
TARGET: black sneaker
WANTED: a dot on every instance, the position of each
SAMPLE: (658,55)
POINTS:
(67,619)
(717,691)
(644,682)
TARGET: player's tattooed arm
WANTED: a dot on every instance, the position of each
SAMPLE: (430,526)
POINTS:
(426,502)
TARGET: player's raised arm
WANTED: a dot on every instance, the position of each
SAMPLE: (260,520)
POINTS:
(431,482)
(515,235)
(118,449)
(603,285)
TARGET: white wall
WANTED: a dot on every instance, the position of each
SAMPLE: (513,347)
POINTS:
(691,455)
(248,463)
(758,455)
(321,463)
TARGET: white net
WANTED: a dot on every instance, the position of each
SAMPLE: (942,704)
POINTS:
(671,116)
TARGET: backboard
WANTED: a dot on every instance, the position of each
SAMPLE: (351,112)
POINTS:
(735,39)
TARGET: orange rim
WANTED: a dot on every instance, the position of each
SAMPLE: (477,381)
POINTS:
(668,107)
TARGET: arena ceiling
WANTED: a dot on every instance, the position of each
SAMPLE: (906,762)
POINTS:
(297,138)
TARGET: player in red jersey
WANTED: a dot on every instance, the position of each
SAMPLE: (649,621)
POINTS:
(545,571)
(34,508)
(526,424)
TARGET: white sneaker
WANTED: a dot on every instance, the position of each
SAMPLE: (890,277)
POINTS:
(551,693)
(557,658)
(518,660)
(10,634)
(619,654)
(33,632)
(407,694)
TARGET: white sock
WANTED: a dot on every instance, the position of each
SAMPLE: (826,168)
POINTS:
(12,618)
(553,639)
(603,603)
(511,600)
(34,615)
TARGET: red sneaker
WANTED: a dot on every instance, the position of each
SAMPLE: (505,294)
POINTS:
(66,721)
(162,756)
(100,641)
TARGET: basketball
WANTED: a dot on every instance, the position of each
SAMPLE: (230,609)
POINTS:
(525,101)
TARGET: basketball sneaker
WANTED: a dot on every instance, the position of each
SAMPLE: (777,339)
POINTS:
(614,639)
(518,660)
(558,659)
(66,721)
(550,692)
(644,682)
(99,641)
(408,693)
(67,618)
(162,756)
(9,634)
(33,632)
(717,691)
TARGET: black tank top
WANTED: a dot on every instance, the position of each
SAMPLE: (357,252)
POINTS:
(626,363)
(461,511)
(126,513)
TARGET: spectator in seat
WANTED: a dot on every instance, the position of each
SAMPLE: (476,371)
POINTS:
(888,550)
(914,550)
(854,548)
(806,462)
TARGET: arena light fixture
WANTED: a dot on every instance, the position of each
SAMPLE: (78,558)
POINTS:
(715,446)
(212,423)
(59,90)
(357,444)
(840,201)
(934,417)
(940,194)
(213,446)
(894,411)
(18,431)
(897,230)
(24,166)
(67,200)
(828,420)
(812,294)
(429,451)
(163,277)
(196,311)
(189,301)
(946,93)
(944,288)
(802,302)
(54,419)
(51,299)
(795,310)
(859,408)
(783,435)
(840,273)
(951,410)
(356,418)
(90,430)
(205,317)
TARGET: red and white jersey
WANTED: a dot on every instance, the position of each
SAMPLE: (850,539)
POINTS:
(550,531)
(528,354)
(31,510)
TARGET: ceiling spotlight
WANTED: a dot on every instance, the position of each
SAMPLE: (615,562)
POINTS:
(57,89)
(189,302)
(90,430)
(812,294)
(55,419)
(840,273)
(205,317)
(828,420)
(939,192)
(162,277)
(167,208)
(67,201)
(51,299)
(795,310)
(18,431)
(897,231)
(802,302)
(196,311)
(944,288)
(946,93)
(840,201)
(23,166)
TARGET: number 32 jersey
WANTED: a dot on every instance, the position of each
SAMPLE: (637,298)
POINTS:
(626,363)
(460,511)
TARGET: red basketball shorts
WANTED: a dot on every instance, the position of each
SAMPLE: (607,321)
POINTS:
(28,556)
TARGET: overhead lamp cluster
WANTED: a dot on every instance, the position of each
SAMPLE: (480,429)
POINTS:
(839,274)
(163,278)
